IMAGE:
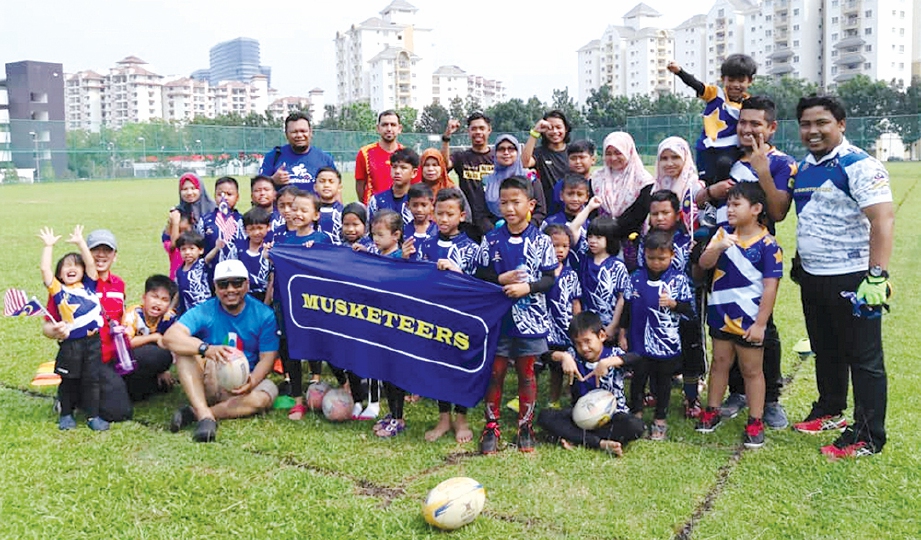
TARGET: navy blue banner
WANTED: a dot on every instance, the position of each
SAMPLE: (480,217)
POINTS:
(428,331)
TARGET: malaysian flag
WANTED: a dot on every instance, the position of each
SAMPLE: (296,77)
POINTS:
(16,304)
(225,222)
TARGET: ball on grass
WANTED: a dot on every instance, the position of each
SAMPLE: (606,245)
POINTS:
(454,503)
(337,405)
(314,395)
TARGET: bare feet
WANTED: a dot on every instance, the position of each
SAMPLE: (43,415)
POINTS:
(613,447)
(443,426)
(462,432)
(411,398)
(566,444)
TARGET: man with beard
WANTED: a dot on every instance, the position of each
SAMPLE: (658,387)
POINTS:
(296,162)
(372,164)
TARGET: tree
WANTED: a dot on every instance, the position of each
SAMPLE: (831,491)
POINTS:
(472,105)
(784,92)
(508,116)
(330,118)
(433,119)
(563,102)
(456,109)
(408,117)
(603,110)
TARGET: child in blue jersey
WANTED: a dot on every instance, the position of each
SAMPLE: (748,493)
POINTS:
(328,186)
(657,296)
(574,194)
(253,254)
(226,240)
(564,302)
(451,250)
(355,227)
(521,259)
(718,142)
(282,223)
(193,277)
(749,265)
(581,155)
(591,364)
(421,206)
(72,286)
(263,194)
(602,275)
(403,166)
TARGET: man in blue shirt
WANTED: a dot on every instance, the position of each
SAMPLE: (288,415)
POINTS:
(214,332)
(296,162)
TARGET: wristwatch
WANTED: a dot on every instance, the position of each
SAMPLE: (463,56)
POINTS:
(202,349)
(445,138)
(877,271)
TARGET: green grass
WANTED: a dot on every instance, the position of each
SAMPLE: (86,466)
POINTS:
(272,478)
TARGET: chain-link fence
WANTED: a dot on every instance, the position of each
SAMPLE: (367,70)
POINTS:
(45,151)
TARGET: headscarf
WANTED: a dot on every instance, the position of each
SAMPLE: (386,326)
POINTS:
(620,189)
(199,208)
(492,182)
(443,181)
(686,185)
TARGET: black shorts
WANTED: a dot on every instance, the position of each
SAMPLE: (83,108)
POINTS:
(80,357)
(735,338)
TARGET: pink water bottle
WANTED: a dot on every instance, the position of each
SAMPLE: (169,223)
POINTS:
(124,363)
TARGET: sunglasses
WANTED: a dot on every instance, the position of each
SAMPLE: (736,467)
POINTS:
(237,283)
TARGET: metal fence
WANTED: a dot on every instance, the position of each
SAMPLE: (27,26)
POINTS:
(45,151)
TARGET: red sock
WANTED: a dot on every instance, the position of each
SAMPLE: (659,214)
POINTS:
(527,389)
(494,392)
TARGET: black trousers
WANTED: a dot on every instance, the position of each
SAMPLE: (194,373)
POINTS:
(622,428)
(846,345)
(152,361)
(659,373)
(773,380)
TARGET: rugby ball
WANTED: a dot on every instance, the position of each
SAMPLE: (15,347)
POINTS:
(594,409)
(234,372)
(314,395)
(454,503)
(337,405)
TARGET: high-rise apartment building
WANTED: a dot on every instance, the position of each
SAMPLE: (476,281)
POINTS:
(35,106)
(132,93)
(83,92)
(235,60)
(185,98)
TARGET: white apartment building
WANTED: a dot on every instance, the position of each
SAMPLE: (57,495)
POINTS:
(132,93)
(83,92)
(589,69)
(690,39)
(240,97)
(916,49)
(397,78)
(487,92)
(725,34)
(314,103)
(792,29)
(448,82)
(185,98)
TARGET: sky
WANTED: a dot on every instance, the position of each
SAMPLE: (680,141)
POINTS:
(533,52)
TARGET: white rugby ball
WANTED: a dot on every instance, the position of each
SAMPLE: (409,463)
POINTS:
(454,503)
(594,409)
(234,372)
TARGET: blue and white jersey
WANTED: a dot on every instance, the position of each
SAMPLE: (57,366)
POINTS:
(531,252)
(302,168)
(78,306)
(653,329)
(278,221)
(207,227)
(259,268)
(782,167)
(832,231)
(317,237)
(602,284)
(720,119)
(613,381)
(386,199)
(559,299)
(681,245)
(459,249)
(580,246)
(194,285)
(409,231)
(330,220)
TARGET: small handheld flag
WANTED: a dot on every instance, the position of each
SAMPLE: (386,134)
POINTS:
(16,304)
(225,222)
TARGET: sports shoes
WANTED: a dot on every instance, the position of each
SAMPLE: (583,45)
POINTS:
(67,422)
(733,405)
(392,429)
(489,440)
(708,420)
(525,440)
(692,409)
(821,423)
(775,417)
(753,436)
(205,431)
(182,418)
(657,432)
(847,445)
(97,424)
(513,404)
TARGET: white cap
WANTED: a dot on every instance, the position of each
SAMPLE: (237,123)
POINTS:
(229,269)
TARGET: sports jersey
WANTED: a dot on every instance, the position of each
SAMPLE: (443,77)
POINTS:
(372,165)
(613,381)
(279,234)
(459,249)
(364,241)
(532,252)
(681,245)
(409,231)
(471,168)
(551,167)
(77,306)
(194,285)
(388,200)
(832,232)
(330,220)
(720,119)
(207,227)
(580,248)
(302,168)
(782,167)
(137,324)
(278,222)
(653,329)
(559,300)
(318,237)
(601,285)
(258,267)
(252,331)
(738,282)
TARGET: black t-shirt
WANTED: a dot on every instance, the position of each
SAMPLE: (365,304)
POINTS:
(471,168)
(551,167)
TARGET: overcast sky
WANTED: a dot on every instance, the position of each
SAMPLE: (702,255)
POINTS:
(533,51)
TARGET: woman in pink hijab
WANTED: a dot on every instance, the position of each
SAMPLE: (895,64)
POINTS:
(623,184)
(676,172)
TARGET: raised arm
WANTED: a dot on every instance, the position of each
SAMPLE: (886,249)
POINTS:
(77,239)
(687,78)
(49,239)
(451,129)
(527,153)
(575,226)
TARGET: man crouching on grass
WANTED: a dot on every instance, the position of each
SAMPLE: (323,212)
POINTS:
(214,332)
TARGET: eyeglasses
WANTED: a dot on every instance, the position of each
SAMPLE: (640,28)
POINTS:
(237,283)
(506,149)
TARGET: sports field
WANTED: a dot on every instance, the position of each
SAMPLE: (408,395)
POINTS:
(269,477)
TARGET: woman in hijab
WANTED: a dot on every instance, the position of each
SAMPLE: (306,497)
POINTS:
(507,164)
(676,172)
(194,202)
(433,172)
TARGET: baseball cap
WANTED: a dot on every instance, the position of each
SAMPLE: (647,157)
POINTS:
(101,237)
(230,269)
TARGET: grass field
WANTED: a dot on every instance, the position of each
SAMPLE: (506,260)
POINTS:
(269,477)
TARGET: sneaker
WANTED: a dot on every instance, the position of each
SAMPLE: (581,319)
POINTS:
(733,405)
(525,439)
(657,432)
(692,409)
(847,446)
(774,415)
(753,436)
(489,440)
(67,422)
(97,424)
(394,428)
(822,423)
(182,418)
(205,431)
(513,405)
(709,419)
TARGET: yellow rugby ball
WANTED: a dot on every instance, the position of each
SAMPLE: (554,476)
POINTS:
(454,503)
